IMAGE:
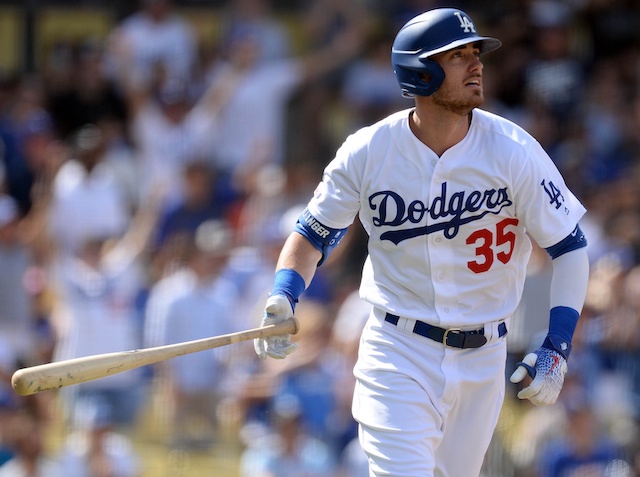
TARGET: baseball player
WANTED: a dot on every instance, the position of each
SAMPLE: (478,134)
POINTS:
(449,195)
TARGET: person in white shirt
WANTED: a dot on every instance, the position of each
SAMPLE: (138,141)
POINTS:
(450,196)
(87,200)
(203,310)
(97,284)
(251,129)
(154,37)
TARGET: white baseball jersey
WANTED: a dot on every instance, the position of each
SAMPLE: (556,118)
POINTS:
(448,235)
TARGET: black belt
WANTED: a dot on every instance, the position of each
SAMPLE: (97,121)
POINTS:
(452,337)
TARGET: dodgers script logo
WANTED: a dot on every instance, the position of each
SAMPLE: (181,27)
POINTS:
(455,209)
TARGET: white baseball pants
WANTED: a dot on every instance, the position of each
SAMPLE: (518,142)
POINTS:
(426,410)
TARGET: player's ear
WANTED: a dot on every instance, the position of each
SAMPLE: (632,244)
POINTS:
(426,77)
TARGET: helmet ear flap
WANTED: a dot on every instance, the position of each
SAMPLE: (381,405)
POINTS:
(422,82)
(433,70)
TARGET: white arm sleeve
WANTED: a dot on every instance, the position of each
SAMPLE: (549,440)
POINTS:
(570,279)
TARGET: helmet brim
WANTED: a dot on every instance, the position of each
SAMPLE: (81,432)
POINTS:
(487,44)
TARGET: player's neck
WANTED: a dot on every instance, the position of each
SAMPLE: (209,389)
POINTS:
(439,130)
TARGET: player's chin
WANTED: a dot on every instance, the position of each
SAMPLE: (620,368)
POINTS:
(465,107)
(462,104)
(476,100)
(476,94)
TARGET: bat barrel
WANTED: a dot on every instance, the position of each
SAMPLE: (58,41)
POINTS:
(23,381)
(50,376)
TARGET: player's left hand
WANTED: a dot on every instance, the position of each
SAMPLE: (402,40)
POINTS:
(547,368)
(277,309)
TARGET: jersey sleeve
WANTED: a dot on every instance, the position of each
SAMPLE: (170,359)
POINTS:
(336,199)
(548,209)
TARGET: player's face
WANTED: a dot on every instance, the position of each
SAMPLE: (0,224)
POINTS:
(461,90)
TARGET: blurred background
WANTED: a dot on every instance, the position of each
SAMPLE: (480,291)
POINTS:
(154,155)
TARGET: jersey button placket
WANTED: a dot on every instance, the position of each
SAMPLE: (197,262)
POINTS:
(439,244)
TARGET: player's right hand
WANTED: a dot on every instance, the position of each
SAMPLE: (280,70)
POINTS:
(277,309)
(549,368)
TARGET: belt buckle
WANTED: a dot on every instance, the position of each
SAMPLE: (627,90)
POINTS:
(446,335)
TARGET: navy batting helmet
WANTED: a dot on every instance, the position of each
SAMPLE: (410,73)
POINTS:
(428,34)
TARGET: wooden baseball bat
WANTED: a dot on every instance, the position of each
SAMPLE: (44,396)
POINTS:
(49,376)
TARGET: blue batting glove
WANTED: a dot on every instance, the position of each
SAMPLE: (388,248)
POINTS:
(547,367)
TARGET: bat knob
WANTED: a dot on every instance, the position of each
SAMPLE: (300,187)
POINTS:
(295,325)
(20,383)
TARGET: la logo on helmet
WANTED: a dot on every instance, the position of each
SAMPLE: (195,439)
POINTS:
(465,23)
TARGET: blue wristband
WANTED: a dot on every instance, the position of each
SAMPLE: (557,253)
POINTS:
(562,324)
(289,283)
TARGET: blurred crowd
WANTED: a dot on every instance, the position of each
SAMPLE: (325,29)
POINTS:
(148,181)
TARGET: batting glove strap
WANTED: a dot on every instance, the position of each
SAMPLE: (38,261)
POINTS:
(550,368)
(277,309)
(557,344)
